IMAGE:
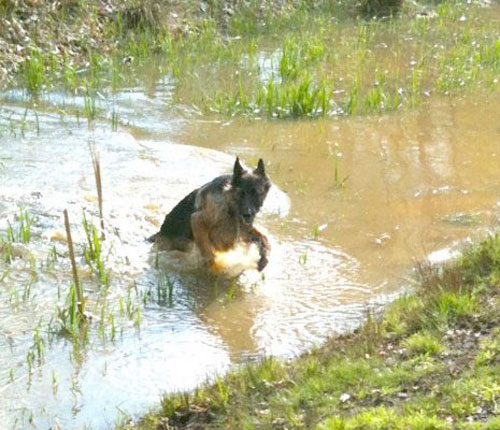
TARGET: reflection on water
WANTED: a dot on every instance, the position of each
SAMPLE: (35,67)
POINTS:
(356,201)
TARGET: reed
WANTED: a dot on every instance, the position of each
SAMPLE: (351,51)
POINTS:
(77,286)
(96,165)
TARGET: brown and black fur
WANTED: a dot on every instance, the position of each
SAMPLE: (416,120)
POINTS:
(219,214)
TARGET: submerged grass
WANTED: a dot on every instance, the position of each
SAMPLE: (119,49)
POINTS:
(431,362)
(369,67)
(93,252)
(20,231)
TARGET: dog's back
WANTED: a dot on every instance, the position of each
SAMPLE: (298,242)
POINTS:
(176,228)
(178,222)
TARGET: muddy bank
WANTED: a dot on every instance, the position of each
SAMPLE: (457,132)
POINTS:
(73,30)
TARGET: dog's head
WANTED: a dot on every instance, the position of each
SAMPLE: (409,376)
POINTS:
(249,190)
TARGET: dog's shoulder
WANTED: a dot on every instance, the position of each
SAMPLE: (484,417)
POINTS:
(213,191)
(217,185)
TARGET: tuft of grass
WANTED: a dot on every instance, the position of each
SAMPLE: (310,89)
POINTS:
(489,349)
(70,319)
(93,251)
(423,343)
(338,180)
(20,232)
(90,109)
(164,290)
(289,99)
(35,71)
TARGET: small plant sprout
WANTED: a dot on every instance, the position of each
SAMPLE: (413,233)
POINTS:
(90,109)
(338,181)
(55,384)
(114,120)
(165,288)
(318,229)
(231,293)
(111,321)
(30,360)
(22,231)
(303,258)
(38,344)
(27,289)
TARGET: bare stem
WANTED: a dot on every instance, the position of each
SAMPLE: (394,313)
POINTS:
(78,287)
(96,164)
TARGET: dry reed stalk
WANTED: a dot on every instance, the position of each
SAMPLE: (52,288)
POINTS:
(78,287)
(96,164)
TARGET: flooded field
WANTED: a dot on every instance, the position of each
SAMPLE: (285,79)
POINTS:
(355,202)
(153,313)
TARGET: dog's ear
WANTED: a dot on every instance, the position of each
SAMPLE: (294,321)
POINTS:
(238,169)
(260,170)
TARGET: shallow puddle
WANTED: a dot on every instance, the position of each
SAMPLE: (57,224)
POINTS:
(355,202)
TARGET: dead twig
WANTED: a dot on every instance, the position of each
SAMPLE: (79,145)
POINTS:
(78,287)
(96,164)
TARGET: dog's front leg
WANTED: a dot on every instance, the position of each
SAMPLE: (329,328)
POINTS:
(201,234)
(262,242)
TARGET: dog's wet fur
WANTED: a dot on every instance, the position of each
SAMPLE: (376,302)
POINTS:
(218,215)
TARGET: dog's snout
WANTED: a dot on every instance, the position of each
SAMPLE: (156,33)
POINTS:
(248,216)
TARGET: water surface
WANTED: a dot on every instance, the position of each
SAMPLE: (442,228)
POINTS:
(355,202)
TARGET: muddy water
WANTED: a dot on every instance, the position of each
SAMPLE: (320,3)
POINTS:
(408,184)
(355,202)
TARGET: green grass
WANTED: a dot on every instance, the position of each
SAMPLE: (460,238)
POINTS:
(34,70)
(93,252)
(20,231)
(423,343)
(371,67)
(69,322)
(431,362)
(260,68)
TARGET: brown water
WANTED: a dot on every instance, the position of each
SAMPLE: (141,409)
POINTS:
(414,182)
(356,201)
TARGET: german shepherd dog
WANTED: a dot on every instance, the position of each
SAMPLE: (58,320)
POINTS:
(219,214)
